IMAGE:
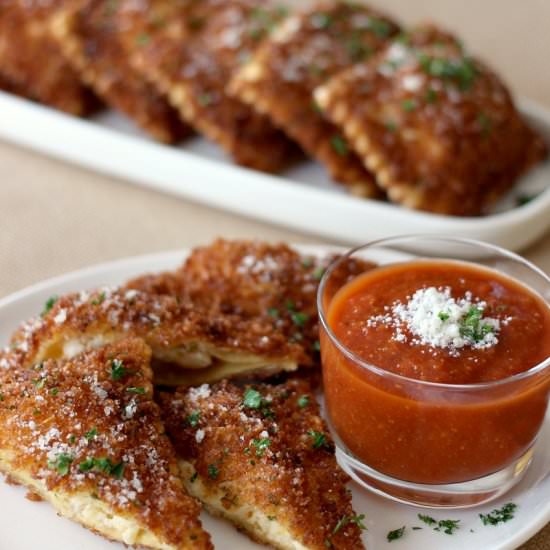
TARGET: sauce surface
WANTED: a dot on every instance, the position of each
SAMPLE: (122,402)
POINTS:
(523,336)
(420,433)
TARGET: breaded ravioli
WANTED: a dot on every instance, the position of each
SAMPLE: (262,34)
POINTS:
(190,52)
(261,457)
(260,283)
(436,126)
(88,36)
(85,435)
(203,346)
(31,64)
(308,48)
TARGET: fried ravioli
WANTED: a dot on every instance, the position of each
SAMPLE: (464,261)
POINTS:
(190,54)
(262,458)
(31,64)
(86,436)
(177,332)
(437,127)
(307,49)
(259,283)
(89,37)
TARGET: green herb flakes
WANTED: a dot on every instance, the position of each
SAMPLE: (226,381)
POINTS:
(61,463)
(50,302)
(104,465)
(408,105)
(339,145)
(252,399)
(303,401)
(92,434)
(499,515)
(213,471)
(299,318)
(117,369)
(319,439)
(261,445)
(136,390)
(193,419)
(395,534)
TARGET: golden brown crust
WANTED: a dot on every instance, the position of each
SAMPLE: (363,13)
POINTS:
(437,127)
(267,447)
(89,426)
(170,327)
(189,52)
(89,38)
(31,64)
(304,52)
(259,283)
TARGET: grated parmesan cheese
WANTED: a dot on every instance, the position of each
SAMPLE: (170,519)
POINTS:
(432,317)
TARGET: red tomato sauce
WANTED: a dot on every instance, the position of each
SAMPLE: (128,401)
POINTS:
(435,434)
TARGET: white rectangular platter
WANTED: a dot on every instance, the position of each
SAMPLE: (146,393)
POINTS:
(301,198)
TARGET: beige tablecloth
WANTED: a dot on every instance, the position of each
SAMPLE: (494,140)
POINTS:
(57,218)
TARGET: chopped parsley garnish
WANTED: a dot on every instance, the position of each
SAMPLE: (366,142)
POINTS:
(391,125)
(318,273)
(462,71)
(50,302)
(117,369)
(448,526)
(72,439)
(319,439)
(356,48)
(213,471)
(252,399)
(261,445)
(61,463)
(522,200)
(138,390)
(443,316)
(205,99)
(339,145)
(193,419)
(379,27)
(499,515)
(39,383)
(431,95)
(345,519)
(408,105)
(104,465)
(273,312)
(54,391)
(99,299)
(142,39)
(299,318)
(485,123)
(428,520)
(303,401)
(396,534)
(91,434)
(472,327)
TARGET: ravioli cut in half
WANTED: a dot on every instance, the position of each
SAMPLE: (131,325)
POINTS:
(190,53)
(308,48)
(261,457)
(177,332)
(436,126)
(86,436)
(261,284)
(90,39)
(31,63)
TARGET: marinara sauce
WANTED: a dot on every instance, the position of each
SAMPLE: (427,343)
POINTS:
(466,425)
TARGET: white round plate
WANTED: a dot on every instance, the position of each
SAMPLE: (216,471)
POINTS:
(25,525)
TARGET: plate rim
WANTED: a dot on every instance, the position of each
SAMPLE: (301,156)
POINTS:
(524,534)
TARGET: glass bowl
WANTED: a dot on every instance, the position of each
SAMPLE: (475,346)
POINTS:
(427,443)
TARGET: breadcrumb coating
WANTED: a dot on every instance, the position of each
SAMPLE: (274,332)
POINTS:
(437,127)
(263,448)
(88,428)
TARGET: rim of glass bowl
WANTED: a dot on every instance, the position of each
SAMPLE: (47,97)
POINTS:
(399,377)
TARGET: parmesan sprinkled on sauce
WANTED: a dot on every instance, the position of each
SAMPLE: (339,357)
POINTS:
(432,317)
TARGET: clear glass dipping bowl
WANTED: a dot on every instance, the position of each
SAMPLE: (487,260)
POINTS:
(415,413)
